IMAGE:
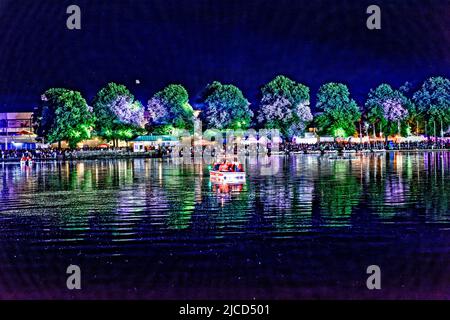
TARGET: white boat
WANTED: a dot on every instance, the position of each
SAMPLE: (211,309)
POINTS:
(219,176)
(227,177)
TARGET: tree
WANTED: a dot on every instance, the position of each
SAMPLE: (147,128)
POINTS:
(285,106)
(394,112)
(63,115)
(433,100)
(118,115)
(390,111)
(129,117)
(226,107)
(169,109)
(339,111)
(158,120)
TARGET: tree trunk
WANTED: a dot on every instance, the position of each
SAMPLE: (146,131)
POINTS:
(59,145)
(434,124)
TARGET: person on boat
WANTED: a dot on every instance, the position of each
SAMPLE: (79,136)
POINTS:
(227,166)
(223,167)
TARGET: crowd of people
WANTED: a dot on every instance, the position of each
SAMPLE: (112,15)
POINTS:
(227,166)
(334,146)
(37,154)
(322,147)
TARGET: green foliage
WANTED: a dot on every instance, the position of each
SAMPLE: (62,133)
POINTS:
(109,124)
(178,112)
(226,107)
(340,112)
(165,129)
(433,101)
(282,86)
(285,106)
(382,117)
(64,115)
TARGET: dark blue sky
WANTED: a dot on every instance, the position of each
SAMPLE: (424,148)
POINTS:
(193,42)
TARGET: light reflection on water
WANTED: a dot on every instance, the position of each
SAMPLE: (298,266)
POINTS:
(282,231)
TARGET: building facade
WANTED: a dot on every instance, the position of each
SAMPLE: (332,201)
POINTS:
(13,123)
(16,131)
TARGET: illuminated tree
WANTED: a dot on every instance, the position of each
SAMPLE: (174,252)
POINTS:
(158,121)
(339,111)
(63,115)
(169,109)
(226,107)
(118,115)
(394,111)
(389,110)
(128,112)
(285,106)
(433,100)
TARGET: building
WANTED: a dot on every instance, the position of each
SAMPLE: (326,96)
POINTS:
(13,123)
(16,131)
(145,143)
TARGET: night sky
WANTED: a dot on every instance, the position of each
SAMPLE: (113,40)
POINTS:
(193,42)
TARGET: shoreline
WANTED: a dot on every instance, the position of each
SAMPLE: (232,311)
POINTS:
(365,151)
(152,155)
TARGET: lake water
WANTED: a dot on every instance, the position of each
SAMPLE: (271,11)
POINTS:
(152,228)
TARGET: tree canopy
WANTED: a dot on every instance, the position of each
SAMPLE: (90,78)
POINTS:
(389,109)
(226,107)
(118,114)
(63,115)
(285,106)
(169,109)
(433,100)
(339,111)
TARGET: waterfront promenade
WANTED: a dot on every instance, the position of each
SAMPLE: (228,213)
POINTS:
(12,156)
